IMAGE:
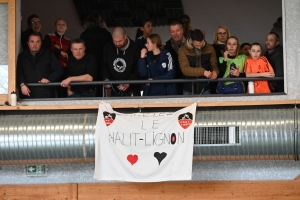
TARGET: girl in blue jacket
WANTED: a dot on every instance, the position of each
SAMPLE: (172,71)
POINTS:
(156,63)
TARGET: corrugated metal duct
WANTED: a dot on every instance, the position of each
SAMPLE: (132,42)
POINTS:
(261,134)
(248,135)
(47,139)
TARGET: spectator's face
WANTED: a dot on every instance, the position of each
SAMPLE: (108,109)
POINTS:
(36,25)
(150,46)
(147,29)
(245,50)
(34,44)
(78,50)
(271,42)
(120,41)
(176,33)
(222,35)
(255,51)
(61,26)
(232,46)
(197,44)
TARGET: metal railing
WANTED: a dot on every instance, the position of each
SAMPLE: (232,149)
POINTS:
(103,83)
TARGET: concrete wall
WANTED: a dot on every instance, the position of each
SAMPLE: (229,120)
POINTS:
(250,21)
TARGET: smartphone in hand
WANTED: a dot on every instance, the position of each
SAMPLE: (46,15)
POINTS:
(232,66)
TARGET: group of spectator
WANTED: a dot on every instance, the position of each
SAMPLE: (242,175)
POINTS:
(102,56)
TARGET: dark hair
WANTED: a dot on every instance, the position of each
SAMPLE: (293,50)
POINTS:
(278,23)
(156,39)
(245,44)
(183,19)
(197,35)
(139,32)
(77,41)
(186,24)
(276,36)
(34,34)
(93,20)
(174,23)
(30,18)
(255,44)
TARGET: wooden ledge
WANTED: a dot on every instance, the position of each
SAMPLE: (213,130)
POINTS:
(152,105)
(297,178)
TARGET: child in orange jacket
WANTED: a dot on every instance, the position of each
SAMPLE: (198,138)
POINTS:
(258,66)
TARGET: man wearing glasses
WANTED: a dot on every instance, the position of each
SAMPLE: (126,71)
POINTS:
(34,25)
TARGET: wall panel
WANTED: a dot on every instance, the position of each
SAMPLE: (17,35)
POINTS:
(246,190)
(233,190)
(34,192)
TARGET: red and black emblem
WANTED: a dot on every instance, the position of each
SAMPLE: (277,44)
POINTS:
(185,120)
(109,118)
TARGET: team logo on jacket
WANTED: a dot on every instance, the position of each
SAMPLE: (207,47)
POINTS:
(119,65)
(185,120)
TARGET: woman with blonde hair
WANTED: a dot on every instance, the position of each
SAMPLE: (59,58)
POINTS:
(156,63)
(220,38)
(221,35)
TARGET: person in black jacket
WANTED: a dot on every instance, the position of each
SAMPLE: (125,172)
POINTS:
(120,62)
(82,67)
(220,37)
(172,45)
(34,25)
(95,37)
(274,54)
(143,32)
(37,65)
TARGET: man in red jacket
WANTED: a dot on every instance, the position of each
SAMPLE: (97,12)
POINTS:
(60,46)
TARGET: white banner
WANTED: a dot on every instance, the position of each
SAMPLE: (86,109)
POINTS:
(144,147)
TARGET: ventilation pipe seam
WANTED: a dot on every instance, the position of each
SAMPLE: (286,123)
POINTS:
(296,133)
(83,137)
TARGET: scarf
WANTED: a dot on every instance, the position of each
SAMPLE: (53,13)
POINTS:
(175,46)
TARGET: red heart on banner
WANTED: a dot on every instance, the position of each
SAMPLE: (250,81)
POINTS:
(132,158)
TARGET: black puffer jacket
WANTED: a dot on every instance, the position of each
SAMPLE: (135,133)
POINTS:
(95,39)
(276,60)
(32,69)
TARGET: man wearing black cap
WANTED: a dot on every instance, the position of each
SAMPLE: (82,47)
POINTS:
(197,59)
